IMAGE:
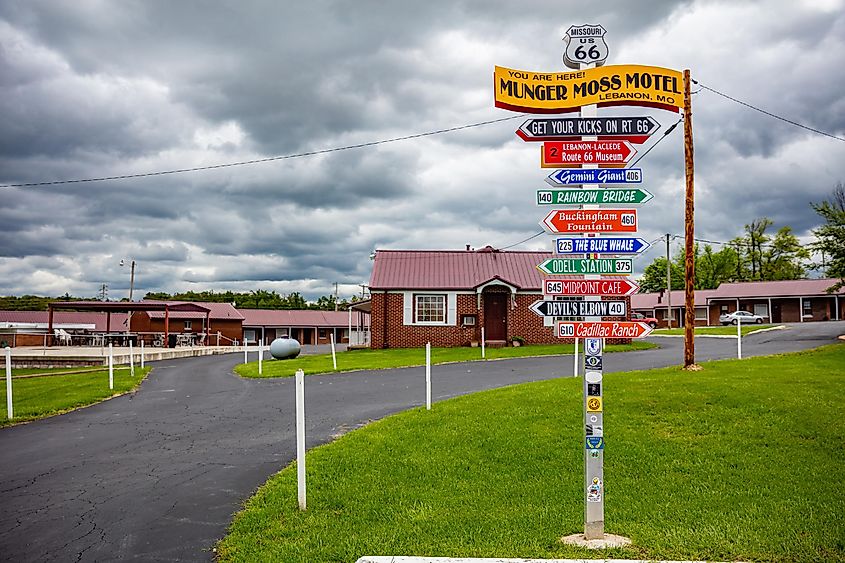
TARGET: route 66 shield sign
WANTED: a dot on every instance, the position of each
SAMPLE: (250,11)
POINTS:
(585,45)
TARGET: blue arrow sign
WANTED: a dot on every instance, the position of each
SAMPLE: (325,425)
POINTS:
(600,245)
(576,177)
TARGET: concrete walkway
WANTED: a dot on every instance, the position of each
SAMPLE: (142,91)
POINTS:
(157,475)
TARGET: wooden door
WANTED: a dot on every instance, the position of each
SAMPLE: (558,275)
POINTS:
(496,316)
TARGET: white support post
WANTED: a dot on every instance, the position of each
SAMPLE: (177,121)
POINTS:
(111,367)
(575,364)
(428,376)
(9,383)
(260,356)
(739,338)
(300,438)
(483,354)
(131,360)
(142,354)
(334,356)
(245,350)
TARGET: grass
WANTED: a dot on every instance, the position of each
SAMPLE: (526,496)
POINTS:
(740,461)
(729,330)
(40,397)
(407,357)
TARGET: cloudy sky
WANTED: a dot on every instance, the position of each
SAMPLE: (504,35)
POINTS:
(96,88)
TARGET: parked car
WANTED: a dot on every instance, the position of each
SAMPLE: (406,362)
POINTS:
(639,317)
(743,317)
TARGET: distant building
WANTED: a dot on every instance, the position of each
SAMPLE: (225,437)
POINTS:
(307,326)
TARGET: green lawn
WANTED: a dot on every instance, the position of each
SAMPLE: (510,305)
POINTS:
(740,461)
(40,397)
(406,357)
(729,330)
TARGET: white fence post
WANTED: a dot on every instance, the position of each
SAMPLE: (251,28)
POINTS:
(131,361)
(245,358)
(575,364)
(260,356)
(9,383)
(482,344)
(334,357)
(142,353)
(428,376)
(300,438)
(111,367)
(738,338)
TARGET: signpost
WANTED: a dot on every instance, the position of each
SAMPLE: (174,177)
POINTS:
(580,308)
(576,153)
(606,266)
(591,221)
(604,245)
(602,329)
(633,129)
(595,176)
(604,196)
(604,286)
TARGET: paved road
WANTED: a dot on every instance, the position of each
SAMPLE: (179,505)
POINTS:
(157,475)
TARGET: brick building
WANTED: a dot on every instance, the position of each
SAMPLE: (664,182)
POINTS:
(446,297)
(222,318)
(306,326)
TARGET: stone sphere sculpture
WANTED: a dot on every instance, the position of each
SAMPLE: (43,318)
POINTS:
(284,348)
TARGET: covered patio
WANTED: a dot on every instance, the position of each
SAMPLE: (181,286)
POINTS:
(119,337)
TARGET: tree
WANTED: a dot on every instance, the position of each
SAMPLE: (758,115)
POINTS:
(782,260)
(654,276)
(755,239)
(713,268)
(830,237)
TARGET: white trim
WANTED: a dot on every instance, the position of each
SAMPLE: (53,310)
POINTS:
(408,308)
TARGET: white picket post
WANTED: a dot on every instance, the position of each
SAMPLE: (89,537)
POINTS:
(142,354)
(334,357)
(428,376)
(482,344)
(131,361)
(738,338)
(575,363)
(300,438)
(9,383)
(111,367)
(245,357)
(260,356)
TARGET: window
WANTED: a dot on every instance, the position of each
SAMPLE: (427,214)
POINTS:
(249,335)
(701,313)
(808,307)
(723,309)
(430,308)
(468,320)
(322,333)
(187,325)
(761,309)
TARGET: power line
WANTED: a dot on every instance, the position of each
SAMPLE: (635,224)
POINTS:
(260,160)
(770,114)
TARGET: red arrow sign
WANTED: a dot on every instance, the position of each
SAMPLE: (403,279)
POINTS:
(602,329)
(591,221)
(620,286)
(575,153)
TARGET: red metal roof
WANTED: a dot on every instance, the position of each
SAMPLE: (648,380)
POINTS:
(294,317)
(65,318)
(456,269)
(218,311)
(655,301)
(785,288)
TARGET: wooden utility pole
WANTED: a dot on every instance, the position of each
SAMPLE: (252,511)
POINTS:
(689,231)
(668,284)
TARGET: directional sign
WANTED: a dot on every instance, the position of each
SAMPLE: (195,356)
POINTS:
(602,329)
(595,176)
(591,221)
(576,153)
(603,245)
(603,196)
(612,286)
(634,129)
(580,308)
(607,266)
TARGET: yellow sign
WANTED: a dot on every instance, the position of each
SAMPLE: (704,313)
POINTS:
(594,404)
(614,85)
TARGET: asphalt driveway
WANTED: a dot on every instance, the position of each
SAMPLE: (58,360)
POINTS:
(156,475)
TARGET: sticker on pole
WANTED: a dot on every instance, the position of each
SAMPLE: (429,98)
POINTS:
(595,443)
(594,490)
(594,404)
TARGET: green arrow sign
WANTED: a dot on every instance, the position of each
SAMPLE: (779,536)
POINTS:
(577,197)
(606,266)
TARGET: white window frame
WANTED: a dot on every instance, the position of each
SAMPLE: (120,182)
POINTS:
(703,312)
(761,309)
(188,325)
(431,299)
(807,307)
(409,313)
